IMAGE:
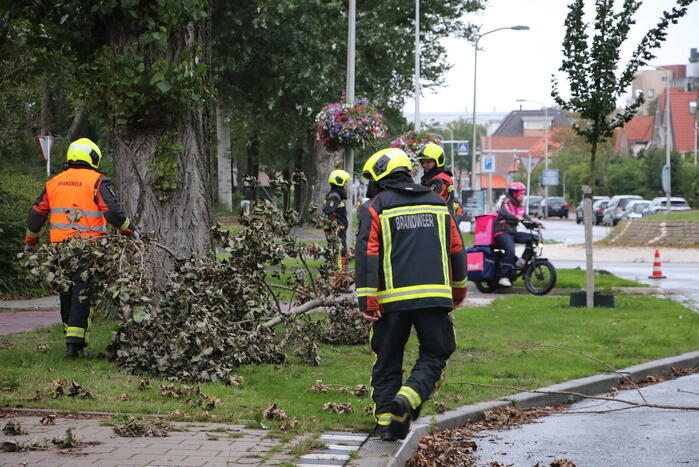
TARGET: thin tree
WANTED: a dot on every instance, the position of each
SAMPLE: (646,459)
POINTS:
(591,65)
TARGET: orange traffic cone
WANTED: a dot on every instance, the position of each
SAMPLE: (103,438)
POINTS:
(657,271)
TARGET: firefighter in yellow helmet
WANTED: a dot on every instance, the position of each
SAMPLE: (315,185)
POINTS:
(436,176)
(334,208)
(78,201)
(410,272)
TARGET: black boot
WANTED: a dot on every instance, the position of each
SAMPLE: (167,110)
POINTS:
(400,417)
(73,351)
(385,433)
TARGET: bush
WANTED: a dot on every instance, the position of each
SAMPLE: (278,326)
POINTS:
(17,192)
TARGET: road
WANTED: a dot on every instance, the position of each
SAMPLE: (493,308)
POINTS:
(636,437)
(568,232)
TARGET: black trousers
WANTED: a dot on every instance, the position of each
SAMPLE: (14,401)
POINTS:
(507,242)
(75,312)
(435,332)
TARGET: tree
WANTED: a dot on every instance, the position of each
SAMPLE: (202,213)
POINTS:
(144,65)
(591,67)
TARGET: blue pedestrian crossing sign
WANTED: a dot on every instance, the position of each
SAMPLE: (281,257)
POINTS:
(462,148)
(488,163)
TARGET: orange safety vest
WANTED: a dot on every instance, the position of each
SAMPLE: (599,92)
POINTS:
(71,197)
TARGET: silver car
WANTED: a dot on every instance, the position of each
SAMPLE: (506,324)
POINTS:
(615,209)
(659,205)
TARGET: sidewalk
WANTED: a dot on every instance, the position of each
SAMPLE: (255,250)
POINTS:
(212,444)
(42,303)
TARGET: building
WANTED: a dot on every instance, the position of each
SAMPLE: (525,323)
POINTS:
(531,122)
(683,121)
(635,136)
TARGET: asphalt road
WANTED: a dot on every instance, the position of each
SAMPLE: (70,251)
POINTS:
(635,437)
(568,232)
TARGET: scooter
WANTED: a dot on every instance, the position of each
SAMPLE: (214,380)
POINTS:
(538,273)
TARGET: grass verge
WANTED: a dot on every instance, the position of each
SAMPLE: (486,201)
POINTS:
(490,350)
(692,216)
(577,279)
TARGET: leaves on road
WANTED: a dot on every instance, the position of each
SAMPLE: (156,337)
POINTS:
(136,427)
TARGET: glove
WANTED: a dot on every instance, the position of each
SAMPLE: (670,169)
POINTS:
(30,248)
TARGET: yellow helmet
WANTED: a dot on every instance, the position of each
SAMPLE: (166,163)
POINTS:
(432,151)
(84,150)
(385,162)
(338,177)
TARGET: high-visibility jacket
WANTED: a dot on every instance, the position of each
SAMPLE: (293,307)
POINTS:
(334,207)
(409,253)
(442,184)
(79,201)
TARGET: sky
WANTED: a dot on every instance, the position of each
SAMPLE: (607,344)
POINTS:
(519,64)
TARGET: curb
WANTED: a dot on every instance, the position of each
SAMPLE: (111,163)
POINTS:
(597,384)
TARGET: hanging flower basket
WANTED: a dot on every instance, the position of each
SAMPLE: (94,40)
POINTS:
(343,126)
(411,142)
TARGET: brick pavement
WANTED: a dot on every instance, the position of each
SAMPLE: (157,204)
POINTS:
(212,444)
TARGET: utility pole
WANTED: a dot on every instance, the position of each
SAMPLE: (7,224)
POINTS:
(349,160)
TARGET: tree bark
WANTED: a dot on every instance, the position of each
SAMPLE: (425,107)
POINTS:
(223,133)
(77,123)
(180,219)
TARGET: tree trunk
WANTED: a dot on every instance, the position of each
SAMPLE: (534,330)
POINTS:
(321,165)
(593,154)
(77,123)
(223,133)
(181,217)
(253,167)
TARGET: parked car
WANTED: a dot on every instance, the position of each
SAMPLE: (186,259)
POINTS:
(534,204)
(598,209)
(659,205)
(634,210)
(556,206)
(579,217)
(615,208)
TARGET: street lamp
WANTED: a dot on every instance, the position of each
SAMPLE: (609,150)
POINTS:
(475,63)
(668,192)
(546,151)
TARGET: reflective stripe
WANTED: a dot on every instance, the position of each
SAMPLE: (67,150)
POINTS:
(75,332)
(451,188)
(383,418)
(441,222)
(80,147)
(97,228)
(387,268)
(459,284)
(84,212)
(417,291)
(412,396)
(125,225)
(426,208)
(31,234)
(366,291)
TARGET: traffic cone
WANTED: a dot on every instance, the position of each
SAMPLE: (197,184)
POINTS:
(657,271)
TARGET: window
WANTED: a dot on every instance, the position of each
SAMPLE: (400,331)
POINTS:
(651,93)
(692,107)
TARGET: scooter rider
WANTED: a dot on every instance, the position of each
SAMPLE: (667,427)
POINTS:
(511,213)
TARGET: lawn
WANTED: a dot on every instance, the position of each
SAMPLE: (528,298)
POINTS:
(490,350)
(692,216)
(577,279)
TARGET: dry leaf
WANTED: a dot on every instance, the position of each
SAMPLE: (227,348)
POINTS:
(274,413)
(42,347)
(123,397)
(48,420)
(318,386)
(338,407)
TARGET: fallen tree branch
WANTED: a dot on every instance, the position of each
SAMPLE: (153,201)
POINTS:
(581,395)
(687,392)
(302,309)
(594,359)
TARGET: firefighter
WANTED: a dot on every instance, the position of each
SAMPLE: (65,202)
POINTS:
(410,272)
(78,201)
(334,208)
(432,159)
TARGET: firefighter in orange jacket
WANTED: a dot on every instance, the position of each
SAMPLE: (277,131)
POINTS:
(410,271)
(432,159)
(78,201)
(334,208)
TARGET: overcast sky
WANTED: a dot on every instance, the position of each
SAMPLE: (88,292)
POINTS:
(519,64)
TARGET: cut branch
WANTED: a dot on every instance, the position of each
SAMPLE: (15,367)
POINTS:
(302,309)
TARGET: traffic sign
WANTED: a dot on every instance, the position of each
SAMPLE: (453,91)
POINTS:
(549,177)
(665,178)
(462,148)
(529,162)
(488,163)
(45,143)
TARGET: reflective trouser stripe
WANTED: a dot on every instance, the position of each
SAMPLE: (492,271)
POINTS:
(65,328)
(459,284)
(412,396)
(366,291)
(383,418)
(72,331)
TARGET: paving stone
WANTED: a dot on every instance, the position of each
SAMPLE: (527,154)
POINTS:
(205,460)
(143,459)
(200,452)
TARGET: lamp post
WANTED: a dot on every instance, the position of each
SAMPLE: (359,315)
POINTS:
(417,66)
(475,64)
(546,151)
(349,162)
(668,192)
